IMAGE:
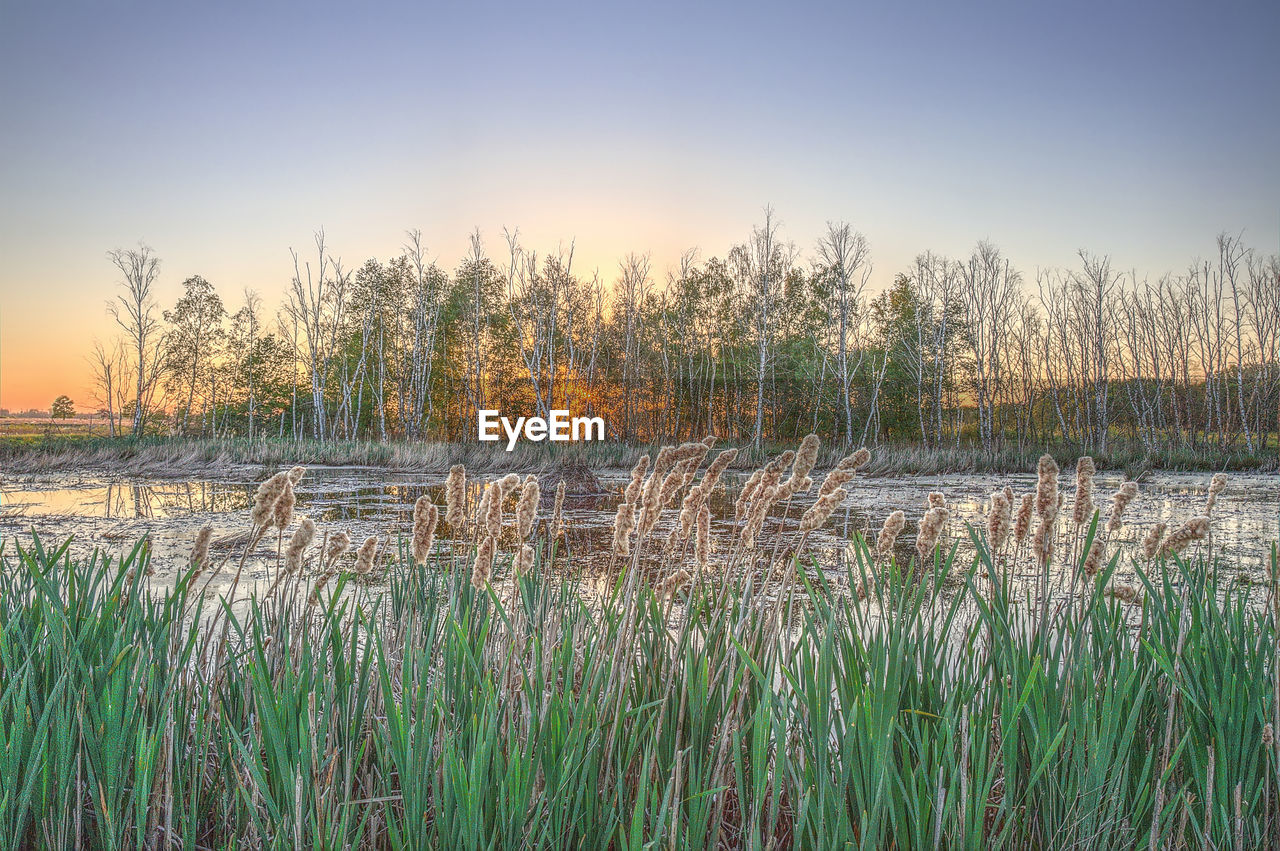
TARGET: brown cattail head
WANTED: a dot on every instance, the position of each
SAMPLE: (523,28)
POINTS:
(702,543)
(806,458)
(1046,486)
(747,493)
(455,496)
(425,518)
(1093,561)
(856,460)
(1123,593)
(764,500)
(264,499)
(998,521)
(298,545)
(1216,485)
(937,499)
(282,513)
(1008,495)
(482,569)
(296,474)
(339,543)
(1119,502)
(1022,525)
(637,480)
(1046,535)
(1151,542)
(623,522)
(889,532)
(365,555)
(821,510)
(674,583)
(200,551)
(1082,511)
(493,517)
(709,441)
(524,560)
(557,513)
(527,508)
(1268,735)
(930,530)
(1194,529)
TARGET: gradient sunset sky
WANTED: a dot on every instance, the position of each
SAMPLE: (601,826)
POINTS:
(224,134)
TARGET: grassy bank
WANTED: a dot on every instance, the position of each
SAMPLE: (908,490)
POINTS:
(170,457)
(456,718)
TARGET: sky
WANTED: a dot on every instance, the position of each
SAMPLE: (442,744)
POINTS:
(224,134)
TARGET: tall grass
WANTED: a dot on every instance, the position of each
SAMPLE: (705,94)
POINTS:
(176,456)
(543,713)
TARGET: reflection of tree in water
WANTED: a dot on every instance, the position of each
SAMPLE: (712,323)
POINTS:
(133,500)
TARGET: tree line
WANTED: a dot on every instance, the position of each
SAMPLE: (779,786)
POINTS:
(766,343)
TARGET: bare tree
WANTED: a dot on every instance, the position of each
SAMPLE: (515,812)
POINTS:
(846,257)
(134,311)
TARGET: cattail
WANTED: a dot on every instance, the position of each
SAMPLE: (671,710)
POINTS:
(314,597)
(200,551)
(455,496)
(364,555)
(671,484)
(1151,543)
(296,474)
(264,500)
(747,493)
(1046,485)
(1022,525)
(998,521)
(930,530)
(937,500)
(888,536)
(856,460)
(1008,495)
(1194,529)
(557,513)
(806,458)
(637,479)
(524,560)
(1093,561)
(1045,534)
(623,523)
(709,441)
(821,510)
(1119,502)
(1124,593)
(1082,510)
(1216,486)
(339,543)
(702,543)
(298,545)
(765,497)
(282,513)
(527,508)
(482,569)
(674,583)
(493,517)
(425,518)
(1268,736)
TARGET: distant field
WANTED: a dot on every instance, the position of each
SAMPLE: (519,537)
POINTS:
(31,429)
